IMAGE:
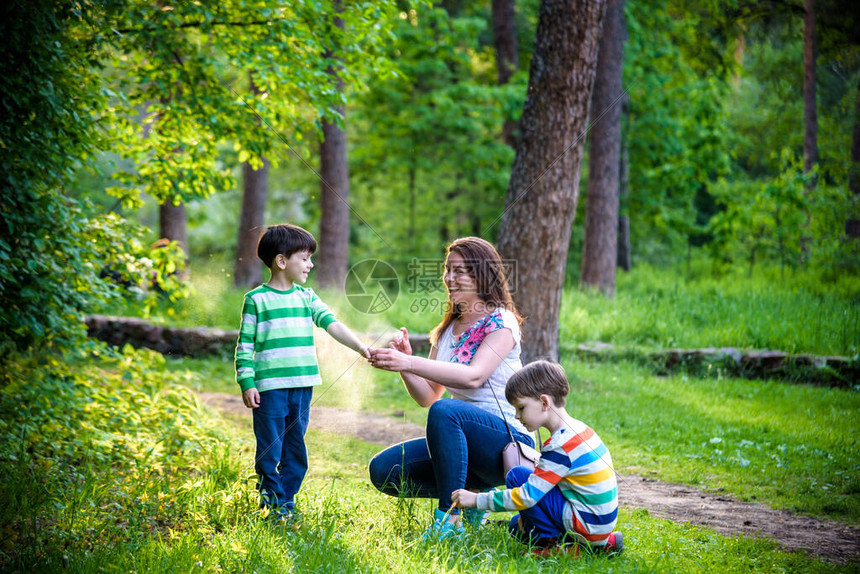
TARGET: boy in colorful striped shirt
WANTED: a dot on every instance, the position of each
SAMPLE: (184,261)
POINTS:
(572,495)
(276,362)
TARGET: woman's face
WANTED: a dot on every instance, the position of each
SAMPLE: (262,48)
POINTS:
(461,287)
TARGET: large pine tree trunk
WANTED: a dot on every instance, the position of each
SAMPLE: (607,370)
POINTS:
(544,185)
(331,260)
(507,54)
(600,250)
(247,270)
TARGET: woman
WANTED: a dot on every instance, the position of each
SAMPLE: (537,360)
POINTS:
(474,348)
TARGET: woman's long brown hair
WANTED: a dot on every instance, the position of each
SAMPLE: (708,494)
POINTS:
(484,265)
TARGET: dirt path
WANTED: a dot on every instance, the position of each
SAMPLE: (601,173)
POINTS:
(828,540)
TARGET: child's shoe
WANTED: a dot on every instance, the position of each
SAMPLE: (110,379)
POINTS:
(443,527)
(547,547)
(614,544)
(287,516)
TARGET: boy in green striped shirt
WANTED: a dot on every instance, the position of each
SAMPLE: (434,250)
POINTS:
(276,362)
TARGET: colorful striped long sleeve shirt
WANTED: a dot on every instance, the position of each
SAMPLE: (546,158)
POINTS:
(577,462)
(276,340)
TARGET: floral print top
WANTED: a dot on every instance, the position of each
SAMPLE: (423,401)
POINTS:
(467,345)
(463,348)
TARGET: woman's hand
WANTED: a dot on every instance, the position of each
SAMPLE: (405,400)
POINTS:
(390,359)
(464,498)
(401,342)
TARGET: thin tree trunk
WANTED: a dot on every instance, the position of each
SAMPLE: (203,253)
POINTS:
(333,253)
(247,271)
(507,54)
(600,249)
(810,112)
(623,193)
(544,185)
(852,225)
(173,226)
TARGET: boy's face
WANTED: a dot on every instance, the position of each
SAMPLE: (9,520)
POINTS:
(531,412)
(297,266)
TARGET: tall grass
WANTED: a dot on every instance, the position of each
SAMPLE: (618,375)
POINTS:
(665,309)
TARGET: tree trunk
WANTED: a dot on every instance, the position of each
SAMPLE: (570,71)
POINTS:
(600,250)
(810,113)
(173,226)
(623,192)
(507,54)
(247,270)
(333,253)
(542,193)
(852,225)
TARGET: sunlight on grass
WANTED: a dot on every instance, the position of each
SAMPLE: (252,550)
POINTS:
(788,446)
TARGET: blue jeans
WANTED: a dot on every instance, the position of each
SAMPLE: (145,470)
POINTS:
(544,519)
(463,449)
(280,423)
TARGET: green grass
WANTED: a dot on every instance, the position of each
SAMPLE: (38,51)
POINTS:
(786,446)
(663,309)
(152,481)
(652,308)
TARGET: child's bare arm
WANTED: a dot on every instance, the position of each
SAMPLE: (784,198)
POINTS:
(344,336)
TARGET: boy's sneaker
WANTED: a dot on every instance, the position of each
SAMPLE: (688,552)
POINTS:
(286,516)
(614,544)
(547,547)
(442,527)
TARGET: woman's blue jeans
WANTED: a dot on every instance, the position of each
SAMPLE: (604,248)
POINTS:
(463,449)
(280,423)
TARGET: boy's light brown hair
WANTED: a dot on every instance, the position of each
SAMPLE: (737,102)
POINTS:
(536,379)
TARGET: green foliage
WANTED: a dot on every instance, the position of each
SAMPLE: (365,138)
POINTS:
(431,165)
(52,249)
(182,77)
(769,216)
(115,452)
(676,131)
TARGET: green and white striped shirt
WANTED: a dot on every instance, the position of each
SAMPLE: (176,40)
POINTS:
(276,339)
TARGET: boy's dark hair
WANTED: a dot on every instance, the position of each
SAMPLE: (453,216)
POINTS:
(536,379)
(284,239)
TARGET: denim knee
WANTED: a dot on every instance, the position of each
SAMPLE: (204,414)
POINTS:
(380,472)
(443,410)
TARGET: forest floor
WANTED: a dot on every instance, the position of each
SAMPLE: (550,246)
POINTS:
(829,540)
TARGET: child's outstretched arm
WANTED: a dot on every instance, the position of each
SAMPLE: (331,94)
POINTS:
(344,336)
(464,498)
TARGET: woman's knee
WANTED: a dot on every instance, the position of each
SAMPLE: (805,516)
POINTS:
(382,471)
(443,411)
